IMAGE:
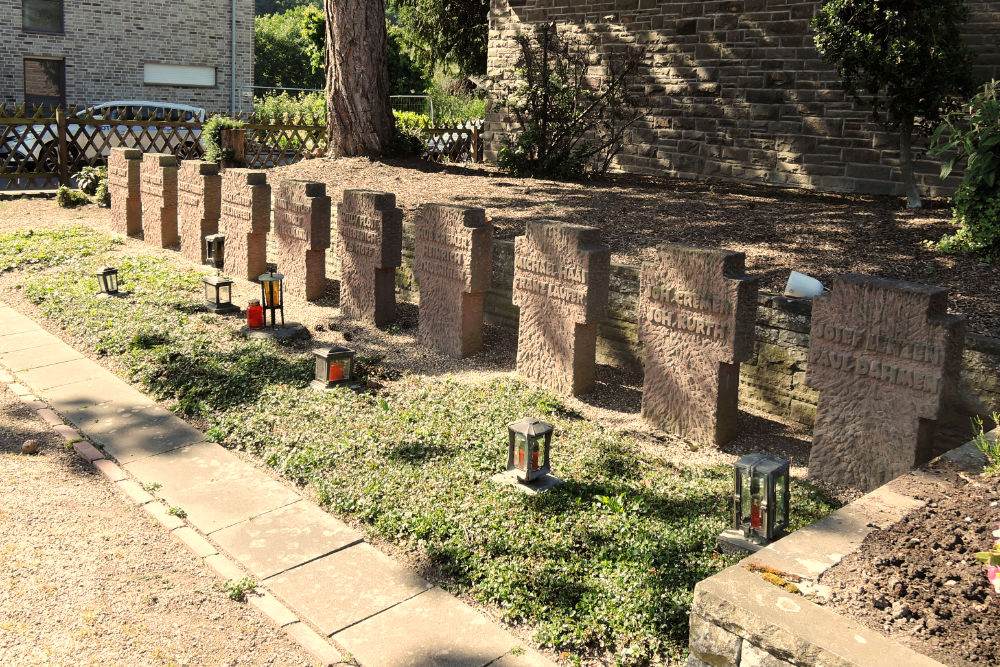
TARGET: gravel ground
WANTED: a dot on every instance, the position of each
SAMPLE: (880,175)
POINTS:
(86,578)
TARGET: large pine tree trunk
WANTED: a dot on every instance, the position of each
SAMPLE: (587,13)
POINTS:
(359,118)
(906,164)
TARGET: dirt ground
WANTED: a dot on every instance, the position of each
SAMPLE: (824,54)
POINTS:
(919,581)
(822,235)
(87,578)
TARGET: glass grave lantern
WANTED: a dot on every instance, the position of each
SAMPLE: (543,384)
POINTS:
(213,249)
(334,367)
(528,452)
(219,294)
(760,497)
(272,293)
(107,281)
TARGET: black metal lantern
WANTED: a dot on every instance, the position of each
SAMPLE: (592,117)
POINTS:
(334,367)
(107,281)
(528,452)
(272,293)
(219,294)
(213,249)
(760,497)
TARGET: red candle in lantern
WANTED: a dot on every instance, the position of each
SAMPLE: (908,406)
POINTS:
(255,315)
(336,371)
(755,513)
(534,460)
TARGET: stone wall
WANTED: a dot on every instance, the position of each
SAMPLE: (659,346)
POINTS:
(734,89)
(106,44)
(771,381)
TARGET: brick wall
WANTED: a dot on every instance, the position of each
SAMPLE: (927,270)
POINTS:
(106,44)
(734,89)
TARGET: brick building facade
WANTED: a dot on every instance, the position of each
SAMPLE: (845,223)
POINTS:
(83,53)
(735,89)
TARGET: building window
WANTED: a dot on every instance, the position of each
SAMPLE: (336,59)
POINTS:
(178,75)
(42,15)
(45,81)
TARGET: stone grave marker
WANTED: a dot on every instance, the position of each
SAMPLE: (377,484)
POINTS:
(124,165)
(453,262)
(697,312)
(158,187)
(882,354)
(199,204)
(561,275)
(244,221)
(370,239)
(302,235)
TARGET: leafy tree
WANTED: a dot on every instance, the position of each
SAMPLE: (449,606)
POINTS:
(262,7)
(907,59)
(445,32)
(282,52)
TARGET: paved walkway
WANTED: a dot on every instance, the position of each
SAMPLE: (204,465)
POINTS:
(318,576)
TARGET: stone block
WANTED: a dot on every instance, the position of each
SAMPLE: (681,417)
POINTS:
(712,644)
(302,235)
(244,221)
(199,205)
(158,191)
(124,165)
(370,233)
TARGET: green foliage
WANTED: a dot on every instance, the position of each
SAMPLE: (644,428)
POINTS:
(261,7)
(283,53)
(89,178)
(906,59)
(989,447)
(407,133)
(103,195)
(177,512)
(566,126)
(237,589)
(406,77)
(308,108)
(971,135)
(67,198)
(451,103)
(65,245)
(211,137)
(445,32)
(313,33)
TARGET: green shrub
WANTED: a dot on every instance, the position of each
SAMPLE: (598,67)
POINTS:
(407,134)
(971,135)
(90,178)
(453,105)
(282,53)
(989,447)
(71,198)
(103,196)
(308,108)
(211,137)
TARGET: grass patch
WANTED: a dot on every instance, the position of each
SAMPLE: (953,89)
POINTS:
(51,247)
(604,564)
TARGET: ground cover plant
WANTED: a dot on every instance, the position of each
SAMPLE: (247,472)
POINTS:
(603,565)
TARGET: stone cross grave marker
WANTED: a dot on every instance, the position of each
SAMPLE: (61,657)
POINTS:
(158,186)
(302,235)
(124,165)
(245,220)
(881,354)
(697,312)
(453,262)
(561,275)
(370,236)
(199,204)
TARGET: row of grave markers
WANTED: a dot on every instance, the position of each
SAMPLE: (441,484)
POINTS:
(882,353)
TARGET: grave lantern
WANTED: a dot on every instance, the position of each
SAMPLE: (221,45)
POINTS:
(334,367)
(107,280)
(219,294)
(213,249)
(760,497)
(272,293)
(528,452)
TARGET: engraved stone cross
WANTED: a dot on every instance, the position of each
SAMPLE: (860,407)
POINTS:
(124,165)
(199,204)
(158,186)
(302,235)
(244,221)
(370,235)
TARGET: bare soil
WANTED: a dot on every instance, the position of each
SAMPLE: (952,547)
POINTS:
(820,234)
(87,578)
(918,582)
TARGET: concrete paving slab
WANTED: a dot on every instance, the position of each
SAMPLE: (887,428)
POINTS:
(213,486)
(66,372)
(318,646)
(26,340)
(524,658)
(129,435)
(13,322)
(160,512)
(431,629)
(276,541)
(81,395)
(346,587)
(36,357)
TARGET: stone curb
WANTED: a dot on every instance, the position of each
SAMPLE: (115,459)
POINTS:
(193,540)
(159,512)
(313,642)
(109,470)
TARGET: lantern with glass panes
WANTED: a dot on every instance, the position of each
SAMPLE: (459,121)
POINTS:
(272,293)
(107,281)
(334,367)
(219,294)
(213,249)
(760,497)
(528,451)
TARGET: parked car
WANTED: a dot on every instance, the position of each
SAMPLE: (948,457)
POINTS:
(27,147)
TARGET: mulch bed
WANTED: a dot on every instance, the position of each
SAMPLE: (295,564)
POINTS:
(822,235)
(919,582)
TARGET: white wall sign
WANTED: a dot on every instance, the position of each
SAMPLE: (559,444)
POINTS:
(179,75)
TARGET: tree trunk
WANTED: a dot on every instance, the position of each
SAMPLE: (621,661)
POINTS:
(359,118)
(906,164)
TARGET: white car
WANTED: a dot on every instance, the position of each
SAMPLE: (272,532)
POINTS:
(36,148)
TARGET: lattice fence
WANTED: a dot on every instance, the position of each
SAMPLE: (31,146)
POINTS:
(461,143)
(276,142)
